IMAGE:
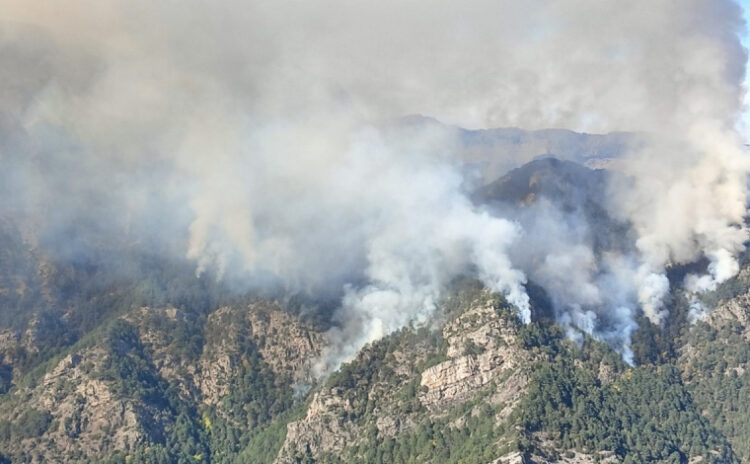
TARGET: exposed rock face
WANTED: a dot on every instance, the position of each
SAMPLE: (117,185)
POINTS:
(511,458)
(456,379)
(83,412)
(483,361)
(548,452)
(90,411)
(217,360)
(324,428)
(732,315)
(157,328)
(44,330)
(569,457)
(481,347)
(9,351)
(736,310)
(8,341)
(288,345)
(90,417)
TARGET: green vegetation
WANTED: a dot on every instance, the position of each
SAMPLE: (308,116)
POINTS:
(31,423)
(249,423)
(252,418)
(477,441)
(130,371)
(645,416)
(642,414)
(670,407)
(719,380)
(6,378)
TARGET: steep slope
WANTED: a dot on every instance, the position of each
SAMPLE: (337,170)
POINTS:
(162,385)
(159,383)
(572,191)
(493,390)
(568,184)
(415,380)
(715,362)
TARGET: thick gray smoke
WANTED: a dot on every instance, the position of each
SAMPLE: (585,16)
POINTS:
(262,130)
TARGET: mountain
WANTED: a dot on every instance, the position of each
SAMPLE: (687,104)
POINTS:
(479,148)
(142,362)
(160,385)
(567,187)
(565,183)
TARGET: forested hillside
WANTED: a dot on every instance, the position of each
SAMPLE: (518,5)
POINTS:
(234,384)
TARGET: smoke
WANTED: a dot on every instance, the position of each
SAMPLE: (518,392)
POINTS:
(694,208)
(256,139)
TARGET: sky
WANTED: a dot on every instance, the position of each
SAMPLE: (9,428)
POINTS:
(745,125)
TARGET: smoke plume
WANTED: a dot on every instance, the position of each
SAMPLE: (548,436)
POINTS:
(259,140)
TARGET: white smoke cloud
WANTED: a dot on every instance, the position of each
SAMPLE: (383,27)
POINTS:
(652,288)
(269,120)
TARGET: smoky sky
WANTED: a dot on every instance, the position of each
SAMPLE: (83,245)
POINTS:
(256,138)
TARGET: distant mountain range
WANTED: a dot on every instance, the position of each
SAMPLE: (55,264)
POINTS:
(493,152)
